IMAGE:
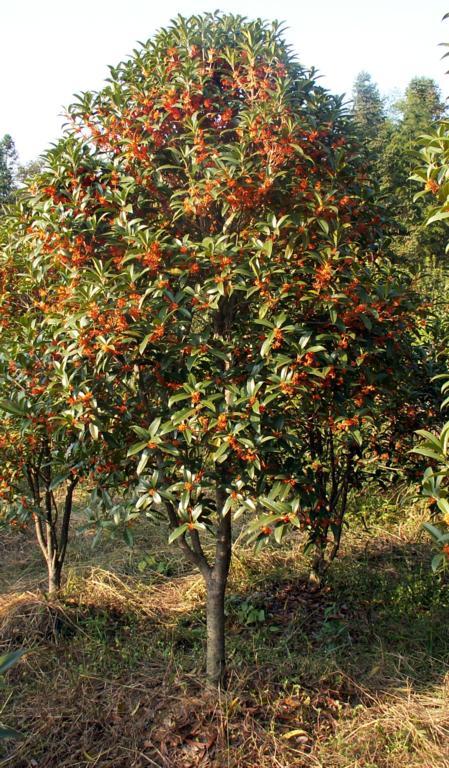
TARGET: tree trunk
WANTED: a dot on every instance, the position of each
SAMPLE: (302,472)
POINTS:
(215,577)
(216,582)
(215,618)
(54,576)
(317,571)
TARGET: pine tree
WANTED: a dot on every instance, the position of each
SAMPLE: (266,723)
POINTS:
(8,159)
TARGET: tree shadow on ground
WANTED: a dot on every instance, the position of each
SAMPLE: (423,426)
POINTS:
(298,660)
(381,616)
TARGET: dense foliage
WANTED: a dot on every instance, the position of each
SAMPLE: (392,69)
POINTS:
(393,136)
(434,178)
(48,438)
(196,291)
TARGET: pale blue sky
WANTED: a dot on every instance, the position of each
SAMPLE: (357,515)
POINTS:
(50,49)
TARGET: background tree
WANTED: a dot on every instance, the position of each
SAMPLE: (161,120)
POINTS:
(368,107)
(26,170)
(8,160)
(393,140)
(417,112)
(393,154)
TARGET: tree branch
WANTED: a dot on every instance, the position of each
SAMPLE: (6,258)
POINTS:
(194,557)
(68,504)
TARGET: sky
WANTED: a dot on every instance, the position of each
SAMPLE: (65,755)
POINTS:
(51,49)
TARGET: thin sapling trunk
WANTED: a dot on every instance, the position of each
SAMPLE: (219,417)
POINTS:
(215,577)
(51,524)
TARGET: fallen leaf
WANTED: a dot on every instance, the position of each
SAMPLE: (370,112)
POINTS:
(296,732)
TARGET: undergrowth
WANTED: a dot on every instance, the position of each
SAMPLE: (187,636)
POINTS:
(353,676)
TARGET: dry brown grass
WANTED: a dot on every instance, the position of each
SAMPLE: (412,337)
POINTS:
(158,717)
(404,729)
(106,589)
(113,675)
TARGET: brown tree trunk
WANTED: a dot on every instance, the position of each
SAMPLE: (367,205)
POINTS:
(215,577)
(216,583)
(215,619)
(316,573)
(54,576)
(54,547)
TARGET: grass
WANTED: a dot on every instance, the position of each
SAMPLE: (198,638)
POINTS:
(355,676)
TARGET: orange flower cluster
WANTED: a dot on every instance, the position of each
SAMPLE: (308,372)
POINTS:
(432,186)
(242,453)
(323,276)
(152,258)
(346,424)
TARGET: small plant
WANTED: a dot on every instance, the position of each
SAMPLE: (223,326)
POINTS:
(153,563)
(333,632)
(249,613)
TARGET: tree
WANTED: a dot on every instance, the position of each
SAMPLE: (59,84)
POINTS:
(209,219)
(8,160)
(433,176)
(418,111)
(27,170)
(48,437)
(393,140)
(421,105)
(368,107)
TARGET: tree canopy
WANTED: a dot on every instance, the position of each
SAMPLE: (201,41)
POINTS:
(8,160)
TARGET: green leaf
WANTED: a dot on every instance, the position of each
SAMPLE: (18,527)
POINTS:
(143,462)
(433,530)
(137,448)
(129,538)
(438,216)
(267,345)
(154,426)
(177,398)
(429,437)
(93,429)
(227,506)
(221,453)
(143,345)
(324,225)
(443,505)
(170,449)
(10,659)
(12,408)
(9,733)
(177,533)
(357,437)
(437,562)
(279,533)
(424,451)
